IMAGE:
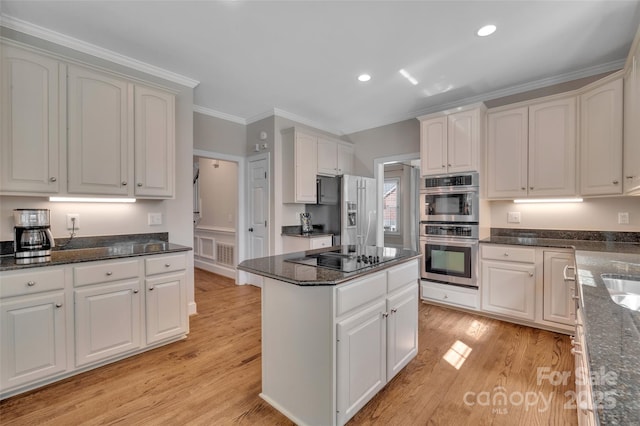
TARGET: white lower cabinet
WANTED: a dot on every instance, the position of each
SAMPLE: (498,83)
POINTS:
(325,355)
(32,338)
(527,285)
(107,321)
(292,244)
(39,335)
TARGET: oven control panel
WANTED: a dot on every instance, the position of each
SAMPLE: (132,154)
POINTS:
(444,230)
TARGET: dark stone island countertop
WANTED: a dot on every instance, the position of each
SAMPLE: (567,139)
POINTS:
(612,332)
(277,267)
(89,249)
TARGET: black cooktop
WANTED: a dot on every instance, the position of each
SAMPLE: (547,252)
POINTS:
(349,258)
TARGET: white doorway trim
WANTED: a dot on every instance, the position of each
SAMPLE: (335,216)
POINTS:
(378,170)
(241,219)
(246,277)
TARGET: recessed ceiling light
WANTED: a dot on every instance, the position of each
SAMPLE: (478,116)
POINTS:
(486,30)
(364,77)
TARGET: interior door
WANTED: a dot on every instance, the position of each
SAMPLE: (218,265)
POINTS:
(258,205)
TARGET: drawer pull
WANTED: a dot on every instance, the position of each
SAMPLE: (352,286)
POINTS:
(31,283)
(166,265)
(109,273)
(124,183)
(58,305)
(53,179)
(566,276)
(139,183)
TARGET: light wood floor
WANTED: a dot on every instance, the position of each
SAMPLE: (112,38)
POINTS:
(213,377)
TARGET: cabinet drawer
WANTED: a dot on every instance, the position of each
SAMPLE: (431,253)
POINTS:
(467,298)
(360,292)
(320,242)
(162,264)
(31,282)
(509,253)
(105,272)
(400,275)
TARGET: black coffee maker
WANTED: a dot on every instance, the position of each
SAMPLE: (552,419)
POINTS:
(32,240)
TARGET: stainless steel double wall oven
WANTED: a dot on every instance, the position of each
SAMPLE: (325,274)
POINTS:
(449,216)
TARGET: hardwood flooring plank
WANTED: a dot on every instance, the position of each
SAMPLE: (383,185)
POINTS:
(214,376)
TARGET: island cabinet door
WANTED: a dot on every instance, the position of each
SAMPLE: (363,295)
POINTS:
(361,359)
(402,329)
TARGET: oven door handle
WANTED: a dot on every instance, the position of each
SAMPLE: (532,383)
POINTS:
(450,241)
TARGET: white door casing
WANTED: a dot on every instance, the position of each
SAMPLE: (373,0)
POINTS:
(258,210)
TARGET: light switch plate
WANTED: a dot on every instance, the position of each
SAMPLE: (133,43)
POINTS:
(513,217)
(154,219)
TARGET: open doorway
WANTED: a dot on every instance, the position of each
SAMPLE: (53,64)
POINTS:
(216,207)
(398,181)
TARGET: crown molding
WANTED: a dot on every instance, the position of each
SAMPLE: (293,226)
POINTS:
(221,115)
(306,121)
(93,50)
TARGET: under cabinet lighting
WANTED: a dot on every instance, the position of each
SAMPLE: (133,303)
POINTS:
(548,200)
(91,200)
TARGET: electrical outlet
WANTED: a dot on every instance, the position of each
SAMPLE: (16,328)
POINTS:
(71,218)
(513,217)
(154,219)
(623,218)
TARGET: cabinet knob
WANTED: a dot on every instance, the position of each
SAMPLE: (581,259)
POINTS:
(449,165)
(385,314)
(506,255)
(531,188)
(523,188)
(166,265)
(151,288)
(31,283)
(615,182)
(58,305)
(135,291)
(109,273)
(629,177)
(139,183)
(445,297)
(394,310)
(53,179)
(530,274)
(443,166)
(124,183)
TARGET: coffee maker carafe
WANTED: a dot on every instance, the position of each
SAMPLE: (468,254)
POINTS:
(32,234)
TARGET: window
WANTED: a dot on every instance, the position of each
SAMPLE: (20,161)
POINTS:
(391,205)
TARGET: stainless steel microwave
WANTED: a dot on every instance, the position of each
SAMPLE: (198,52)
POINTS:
(450,198)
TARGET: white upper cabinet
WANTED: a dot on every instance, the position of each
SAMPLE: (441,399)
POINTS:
(631,148)
(334,158)
(531,150)
(507,153)
(299,166)
(100,133)
(601,140)
(30,122)
(451,143)
(552,148)
(154,142)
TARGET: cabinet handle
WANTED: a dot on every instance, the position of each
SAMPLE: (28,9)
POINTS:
(629,177)
(31,283)
(139,183)
(394,310)
(166,265)
(564,273)
(124,183)
(385,314)
(109,273)
(615,182)
(58,305)
(53,179)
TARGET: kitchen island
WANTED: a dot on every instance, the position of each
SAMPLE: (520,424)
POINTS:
(334,335)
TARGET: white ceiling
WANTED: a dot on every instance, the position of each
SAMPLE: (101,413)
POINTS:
(302,57)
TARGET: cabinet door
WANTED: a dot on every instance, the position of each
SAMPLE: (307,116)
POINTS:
(166,307)
(107,321)
(433,146)
(507,154)
(30,122)
(32,339)
(306,168)
(508,288)
(601,140)
(402,329)
(327,157)
(632,126)
(552,148)
(462,141)
(154,142)
(100,133)
(345,159)
(558,304)
(361,359)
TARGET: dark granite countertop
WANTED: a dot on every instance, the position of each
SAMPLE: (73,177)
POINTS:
(278,268)
(586,245)
(612,336)
(314,234)
(105,248)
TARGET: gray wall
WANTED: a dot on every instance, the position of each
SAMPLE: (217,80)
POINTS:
(214,134)
(393,139)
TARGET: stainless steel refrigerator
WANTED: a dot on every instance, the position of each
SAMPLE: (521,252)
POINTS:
(347,209)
